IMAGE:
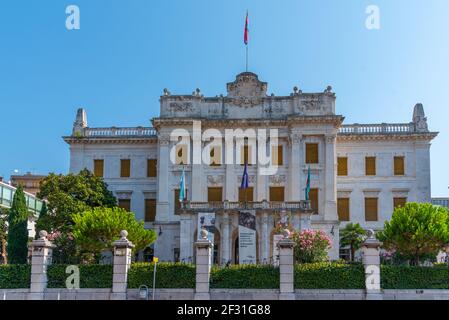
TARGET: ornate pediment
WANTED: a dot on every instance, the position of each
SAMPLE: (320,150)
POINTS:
(247,90)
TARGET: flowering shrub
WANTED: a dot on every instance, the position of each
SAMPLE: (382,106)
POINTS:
(311,246)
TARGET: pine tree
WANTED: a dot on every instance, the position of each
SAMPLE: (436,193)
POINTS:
(43,222)
(17,231)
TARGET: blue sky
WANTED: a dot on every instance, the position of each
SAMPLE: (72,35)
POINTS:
(126,52)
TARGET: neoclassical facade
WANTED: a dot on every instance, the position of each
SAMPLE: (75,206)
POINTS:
(358,172)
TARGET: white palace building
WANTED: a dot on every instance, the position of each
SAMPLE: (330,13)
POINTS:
(359,172)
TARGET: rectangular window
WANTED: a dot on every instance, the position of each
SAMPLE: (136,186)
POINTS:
(399,166)
(215,156)
(150,210)
(313,196)
(370,166)
(151,168)
(245,156)
(215,194)
(277,194)
(176,200)
(125,204)
(125,168)
(399,202)
(371,209)
(343,209)
(181,154)
(342,166)
(249,194)
(99,167)
(277,155)
(311,152)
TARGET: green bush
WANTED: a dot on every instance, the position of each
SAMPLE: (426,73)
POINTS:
(91,276)
(168,275)
(15,276)
(329,275)
(413,277)
(245,277)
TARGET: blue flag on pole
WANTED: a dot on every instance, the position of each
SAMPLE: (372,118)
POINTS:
(308,184)
(244,184)
(182,187)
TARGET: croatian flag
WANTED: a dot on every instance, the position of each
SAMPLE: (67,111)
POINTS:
(182,187)
(244,184)
(245,36)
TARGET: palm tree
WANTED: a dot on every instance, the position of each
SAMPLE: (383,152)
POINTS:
(353,236)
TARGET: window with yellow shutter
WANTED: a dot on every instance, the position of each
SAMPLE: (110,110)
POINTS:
(99,167)
(342,166)
(313,197)
(399,166)
(399,202)
(249,194)
(125,168)
(343,209)
(277,154)
(215,156)
(370,166)
(371,209)
(125,204)
(151,168)
(311,152)
(150,210)
(181,154)
(215,194)
(277,194)
(176,200)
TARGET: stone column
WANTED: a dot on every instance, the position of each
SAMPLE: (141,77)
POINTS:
(122,262)
(286,263)
(330,209)
(203,265)
(371,263)
(186,237)
(41,257)
(226,252)
(163,193)
(265,239)
(294,176)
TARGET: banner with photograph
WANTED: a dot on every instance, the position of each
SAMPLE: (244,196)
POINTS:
(276,239)
(247,237)
(206,220)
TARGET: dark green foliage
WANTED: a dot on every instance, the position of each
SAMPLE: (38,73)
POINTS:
(44,220)
(15,276)
(245,277)
(413,277)
(91,276)
(328,275)
(17,247)
(168,275)
(353,236)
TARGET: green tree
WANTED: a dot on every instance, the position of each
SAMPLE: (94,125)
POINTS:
(3,233)
(96,229)
(17,246)
(416,231)
(353,236)
(44,220)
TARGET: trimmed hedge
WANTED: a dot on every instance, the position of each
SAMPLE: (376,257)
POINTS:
(329,275)
(412,277)
(168,275)
(15,276)
(245,277)
(91,275)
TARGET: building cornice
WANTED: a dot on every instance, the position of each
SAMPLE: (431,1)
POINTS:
(423,136)
(112,140)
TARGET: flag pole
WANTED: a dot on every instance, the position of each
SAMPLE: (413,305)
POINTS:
(246,58)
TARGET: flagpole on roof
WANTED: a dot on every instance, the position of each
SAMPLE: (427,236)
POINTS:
(245,39)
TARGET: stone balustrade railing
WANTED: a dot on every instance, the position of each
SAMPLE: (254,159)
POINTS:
(382,128)
(302,206)
(120,132)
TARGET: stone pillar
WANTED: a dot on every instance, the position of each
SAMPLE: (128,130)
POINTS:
(286,263)
(186,237)
(41,257)
(122,262)
(265,239)
(371,263)
(294,172)
(330,209)
(226,252)
(163,193)
(203,265)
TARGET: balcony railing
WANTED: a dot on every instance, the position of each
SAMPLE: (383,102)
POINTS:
(302,206)
(383,128)
(120,132)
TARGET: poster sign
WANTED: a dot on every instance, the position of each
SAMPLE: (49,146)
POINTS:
(276,239)
(206,220)
(247,237)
